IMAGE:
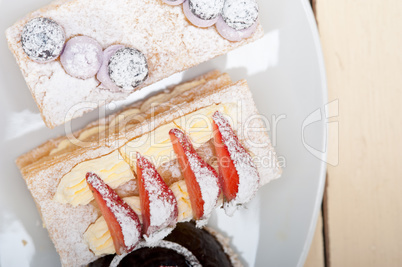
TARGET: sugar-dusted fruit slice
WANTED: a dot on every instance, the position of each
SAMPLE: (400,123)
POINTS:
(158,203)
(240,179)
(122,221)
(201,179)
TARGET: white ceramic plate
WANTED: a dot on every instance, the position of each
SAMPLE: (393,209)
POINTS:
(286,74)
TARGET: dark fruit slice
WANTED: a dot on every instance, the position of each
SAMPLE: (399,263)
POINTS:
(103,73)
(128,68)
(201,179)
(42,39)
(122,221)
(240,179)
(206,9)
(240,14)
(158,203)
(203,13)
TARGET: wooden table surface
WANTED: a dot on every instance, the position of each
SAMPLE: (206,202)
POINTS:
(361,222)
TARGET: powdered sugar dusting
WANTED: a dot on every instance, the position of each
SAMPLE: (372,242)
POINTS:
(160,209)
(191,259)
(128,68)
(208,183)
(206,9)
(162,203)
(103,73)
(240,14)
(129,225)
(170,43)
(42,39)
(245,167)
(174,169)
(153,239)
(98,237)
(66,224)
(205,175)
(127,189)
(82,57)
(196,20)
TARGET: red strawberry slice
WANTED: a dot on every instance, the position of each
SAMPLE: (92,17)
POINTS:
(240,179)
(201,179)
(122,221)
(158,203)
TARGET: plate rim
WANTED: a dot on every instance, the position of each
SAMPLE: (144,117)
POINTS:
(308,13)
(307,8)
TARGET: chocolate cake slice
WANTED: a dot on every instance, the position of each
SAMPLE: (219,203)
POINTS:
(187,245)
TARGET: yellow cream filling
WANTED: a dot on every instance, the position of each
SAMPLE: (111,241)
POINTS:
(73,187)
(156,145)
(98,236)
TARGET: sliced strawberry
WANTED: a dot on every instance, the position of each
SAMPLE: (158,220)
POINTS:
(158,203)
(201,179)
(122,221)
(240,179)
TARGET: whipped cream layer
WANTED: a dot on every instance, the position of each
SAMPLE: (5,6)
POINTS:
(73,188)
(156,145)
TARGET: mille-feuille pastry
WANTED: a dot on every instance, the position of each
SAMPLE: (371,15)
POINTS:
(78,55)
(130,178)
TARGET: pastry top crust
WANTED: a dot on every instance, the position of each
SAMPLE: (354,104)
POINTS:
(170,43)
(40,157)
(43,171)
